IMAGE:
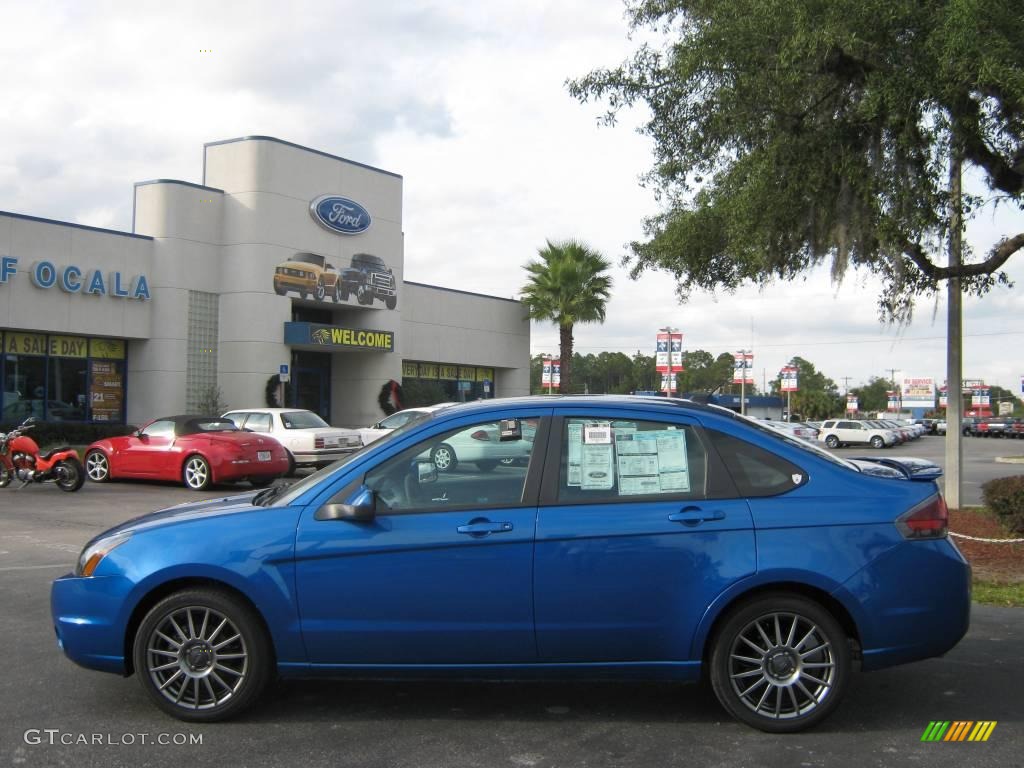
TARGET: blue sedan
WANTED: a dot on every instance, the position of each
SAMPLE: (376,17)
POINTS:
(641,538)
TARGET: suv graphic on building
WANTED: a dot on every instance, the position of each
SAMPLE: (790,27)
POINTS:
(368,278)
(307,273)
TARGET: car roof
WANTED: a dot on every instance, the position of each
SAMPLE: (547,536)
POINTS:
(266,410)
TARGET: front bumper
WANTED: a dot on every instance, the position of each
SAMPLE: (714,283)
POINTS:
(88,620)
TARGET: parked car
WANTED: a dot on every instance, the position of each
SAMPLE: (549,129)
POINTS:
(399,419)
(940,427)
(645,537)
(1015,428)
(967,424)
(310,441)
(196,450)
(794,428)
(835,433)
(308,274)
(991,427)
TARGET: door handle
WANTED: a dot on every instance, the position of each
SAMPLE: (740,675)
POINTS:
(695,515)
(480,528)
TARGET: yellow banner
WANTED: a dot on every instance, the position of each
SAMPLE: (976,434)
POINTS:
(467,374)
(109,349)
(449,372)
(24,343)
(410,369)
(428,370)
(68,346)
(485,374)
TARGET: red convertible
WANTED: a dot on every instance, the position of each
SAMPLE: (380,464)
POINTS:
(196,450)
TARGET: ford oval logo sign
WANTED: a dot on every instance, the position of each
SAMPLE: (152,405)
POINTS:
(339,214)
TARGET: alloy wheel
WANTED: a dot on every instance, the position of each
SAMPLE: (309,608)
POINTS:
(197,473)
(97,467)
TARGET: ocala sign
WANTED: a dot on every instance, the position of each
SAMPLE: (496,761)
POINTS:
(72,279)
(339,214)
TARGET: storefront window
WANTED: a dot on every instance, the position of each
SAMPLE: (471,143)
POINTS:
(61,378)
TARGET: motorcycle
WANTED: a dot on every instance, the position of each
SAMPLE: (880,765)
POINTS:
(20,459)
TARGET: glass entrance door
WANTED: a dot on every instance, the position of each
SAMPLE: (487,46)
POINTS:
(311,383)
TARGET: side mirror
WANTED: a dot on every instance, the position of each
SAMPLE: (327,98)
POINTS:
(426,472)
(360,508)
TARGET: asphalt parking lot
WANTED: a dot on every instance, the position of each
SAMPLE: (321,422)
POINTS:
(55,712)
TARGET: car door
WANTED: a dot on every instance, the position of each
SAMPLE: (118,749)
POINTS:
(441,575)
(639,529)
(147,453)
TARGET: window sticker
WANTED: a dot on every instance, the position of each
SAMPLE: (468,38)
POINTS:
(597,467)
(635,486)
(597,433)
(574,473)
(652,462)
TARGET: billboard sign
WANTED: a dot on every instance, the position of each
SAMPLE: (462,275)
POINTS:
(743,370)
(851,403)
(669,351)
(789,379)
(918,393)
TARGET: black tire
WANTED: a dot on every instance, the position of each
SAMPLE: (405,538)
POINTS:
(319,292)
(290,472)
(279,290)
(303,294)
(444,458)
(70,475)
(97,466)
(877,442)
(233,676)
(336,293)
(391,302)
(782,673)
(6,475)
(261,482)
(486,465)
(832,441)
(195,473)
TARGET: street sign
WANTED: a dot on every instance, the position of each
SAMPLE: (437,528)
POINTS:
(283,373)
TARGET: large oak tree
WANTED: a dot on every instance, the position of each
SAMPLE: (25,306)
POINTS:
(790,134)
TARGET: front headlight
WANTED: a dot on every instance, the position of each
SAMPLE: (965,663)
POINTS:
(93,554)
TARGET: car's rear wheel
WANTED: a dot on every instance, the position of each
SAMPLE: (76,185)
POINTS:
(444,458)
(196,473)
(261,482)
(877,442)
(780,663)
(832,441)
(202,655)
(97,466)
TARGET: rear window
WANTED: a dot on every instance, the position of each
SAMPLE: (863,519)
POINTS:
(302,420)
(755,471)
(208,425)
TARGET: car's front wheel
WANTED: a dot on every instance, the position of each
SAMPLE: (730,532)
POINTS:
(443,457)
(877,442)
(97,466)
(202,655)
(832,441)
(780,663)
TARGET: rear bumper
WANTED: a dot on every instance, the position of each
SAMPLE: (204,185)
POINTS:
(321,458)
(914,602)
(86,618)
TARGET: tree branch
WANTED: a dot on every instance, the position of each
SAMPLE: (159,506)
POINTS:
(997,257)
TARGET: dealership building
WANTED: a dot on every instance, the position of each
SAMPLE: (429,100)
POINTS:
(284,259)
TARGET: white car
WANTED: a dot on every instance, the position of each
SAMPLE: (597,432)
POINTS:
(794,429)
(311,441)
(481,445)
(388,425)
(839,432)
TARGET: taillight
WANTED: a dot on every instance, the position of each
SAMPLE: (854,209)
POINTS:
(928,520)
(318,442)
(480,435)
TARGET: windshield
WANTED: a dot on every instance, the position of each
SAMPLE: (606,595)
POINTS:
(309,258)
(302,420)
(283,495)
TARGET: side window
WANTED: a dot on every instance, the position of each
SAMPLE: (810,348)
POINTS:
(755,471)
(468,467)
(258,422)
(606,461)
(395,421)
(160,429)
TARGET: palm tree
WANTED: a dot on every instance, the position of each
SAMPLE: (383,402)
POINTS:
(567,285)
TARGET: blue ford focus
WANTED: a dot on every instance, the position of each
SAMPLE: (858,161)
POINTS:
(630,538)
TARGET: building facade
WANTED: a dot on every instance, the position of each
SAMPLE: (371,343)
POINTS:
(285,260)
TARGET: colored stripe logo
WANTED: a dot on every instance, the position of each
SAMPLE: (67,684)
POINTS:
(959,730)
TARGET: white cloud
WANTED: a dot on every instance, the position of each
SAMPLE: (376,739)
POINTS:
(466,101)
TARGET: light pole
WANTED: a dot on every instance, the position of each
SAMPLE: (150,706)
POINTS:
(670,330)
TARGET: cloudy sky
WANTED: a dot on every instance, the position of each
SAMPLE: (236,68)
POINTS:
(467,101)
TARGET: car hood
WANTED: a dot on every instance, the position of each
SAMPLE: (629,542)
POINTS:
(241,502)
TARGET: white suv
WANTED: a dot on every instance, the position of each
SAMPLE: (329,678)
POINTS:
(836,433)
